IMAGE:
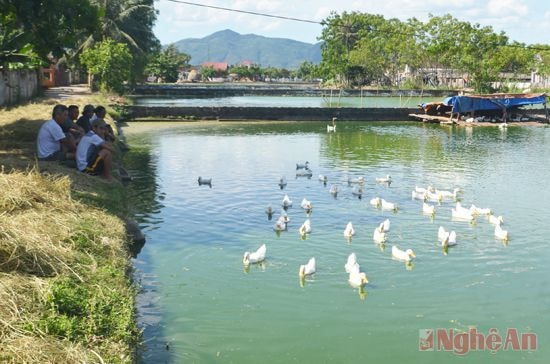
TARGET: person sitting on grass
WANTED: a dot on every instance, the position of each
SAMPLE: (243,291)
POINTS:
(51,143)
(70,128)
(94,155)
(99,113)
(84,120)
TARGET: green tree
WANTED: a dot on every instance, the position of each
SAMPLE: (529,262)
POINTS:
(467,47)
(307,71)
(167,63)
(51,27)
(208,72)
(110,62)
(542,59)
(126,21)
(242,72)
(15,52)
(339,36)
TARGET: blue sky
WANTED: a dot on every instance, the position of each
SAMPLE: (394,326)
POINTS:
(525,21)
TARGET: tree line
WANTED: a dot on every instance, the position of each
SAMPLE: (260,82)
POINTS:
(113,40)
(365,49)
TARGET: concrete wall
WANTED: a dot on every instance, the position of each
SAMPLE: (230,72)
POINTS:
(17,86)
(267,89)
(271,113)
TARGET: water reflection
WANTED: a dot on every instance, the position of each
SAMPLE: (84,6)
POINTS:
(212,307)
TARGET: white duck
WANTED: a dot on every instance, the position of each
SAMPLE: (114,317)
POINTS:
(500,233)
(428,209)
(376,202)
(386,179)
(379,235)
(480,211)
(360,180)
(406,256)
(308,269)
(357,279)
(334,190)
(305,228)
(441,233)
(332,127)
(496,220)
(351,265)
(388,205)
(448,194)
(280,225)
(306,204)
(449,239)
(386,225)
(349,231)
(433,196)
(462,214)
(284,216)
(418,195)
(255,257)
(323,178)
(287,202)
(420,189)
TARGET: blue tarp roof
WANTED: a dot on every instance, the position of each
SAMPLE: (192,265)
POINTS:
(462,104)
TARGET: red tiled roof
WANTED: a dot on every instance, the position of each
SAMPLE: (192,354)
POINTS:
(218,66)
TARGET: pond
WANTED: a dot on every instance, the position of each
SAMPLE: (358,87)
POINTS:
(198,303)
(289,101)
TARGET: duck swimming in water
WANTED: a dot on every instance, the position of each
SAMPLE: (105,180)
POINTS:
(305,228)
(386,179)
(287,202)
(302,165)
(205,181)
(308,269)
(255,257)
(351,265)
(406,255)
(349,231)
(282,182)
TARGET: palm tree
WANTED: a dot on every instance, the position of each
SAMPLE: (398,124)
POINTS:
(128,21)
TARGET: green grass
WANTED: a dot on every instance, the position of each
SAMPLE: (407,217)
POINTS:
(65,289)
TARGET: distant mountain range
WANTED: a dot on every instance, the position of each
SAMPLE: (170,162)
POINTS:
(233,48)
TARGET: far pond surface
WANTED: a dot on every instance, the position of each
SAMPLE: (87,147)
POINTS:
(199,305)
(290,101)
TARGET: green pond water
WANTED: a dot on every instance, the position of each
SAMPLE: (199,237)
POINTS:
(199,305)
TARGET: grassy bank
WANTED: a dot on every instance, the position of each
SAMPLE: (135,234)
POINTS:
(65,291)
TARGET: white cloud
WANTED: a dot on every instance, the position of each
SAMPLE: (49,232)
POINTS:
(507,8)
(193,21)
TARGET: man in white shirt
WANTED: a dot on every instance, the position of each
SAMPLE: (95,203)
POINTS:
(51,142)
(94,155)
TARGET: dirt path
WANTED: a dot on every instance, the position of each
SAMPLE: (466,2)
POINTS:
(66,92)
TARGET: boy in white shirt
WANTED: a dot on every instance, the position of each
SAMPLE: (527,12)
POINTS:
(51,142)
(94,155)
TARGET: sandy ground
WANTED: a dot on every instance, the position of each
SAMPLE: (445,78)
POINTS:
(66,92)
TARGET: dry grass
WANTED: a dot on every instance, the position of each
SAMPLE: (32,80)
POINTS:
(65,296)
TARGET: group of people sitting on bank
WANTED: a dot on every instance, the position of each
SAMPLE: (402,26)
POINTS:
(87,140)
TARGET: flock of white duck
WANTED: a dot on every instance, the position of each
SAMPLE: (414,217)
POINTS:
(357,278)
